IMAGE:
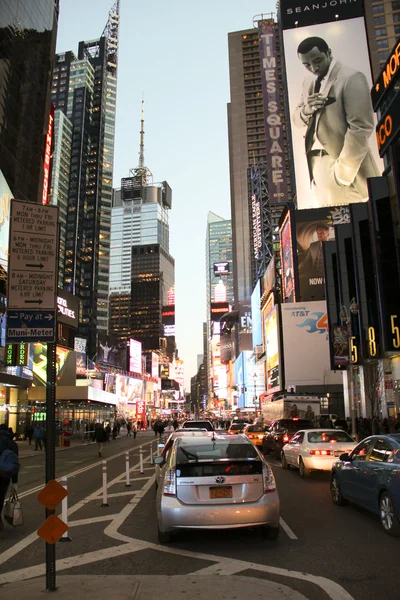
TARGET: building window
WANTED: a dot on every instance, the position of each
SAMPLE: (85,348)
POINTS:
(381,32)
(378,10)
(395,5)
(379,21)
(382,43)
(383,54)
(396,18)
(397,29)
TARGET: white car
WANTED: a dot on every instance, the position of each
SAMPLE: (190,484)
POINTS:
(316,449)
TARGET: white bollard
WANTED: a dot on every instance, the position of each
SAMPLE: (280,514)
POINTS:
(105,503)
(151,453)
(127,484)
(64,511)
(141,460)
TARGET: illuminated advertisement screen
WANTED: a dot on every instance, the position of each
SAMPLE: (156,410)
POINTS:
(218,309)
(269,278)
(256,330)
(5,198)
(135,356)
(111,351)
(155,365)
(128,389)
(272,351)
(332,119)
(287,262)
(313,227)
(221,268)
(39,367)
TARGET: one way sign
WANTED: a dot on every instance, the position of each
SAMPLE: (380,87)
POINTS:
(30,326)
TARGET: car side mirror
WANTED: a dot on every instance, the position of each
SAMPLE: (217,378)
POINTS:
(160,446)
(159,460)
(345,457)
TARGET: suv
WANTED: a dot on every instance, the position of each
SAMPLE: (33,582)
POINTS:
(281,432)
(207,425)
(215,481)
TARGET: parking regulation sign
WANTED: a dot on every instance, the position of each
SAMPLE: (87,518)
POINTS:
(32,265)
(32,272)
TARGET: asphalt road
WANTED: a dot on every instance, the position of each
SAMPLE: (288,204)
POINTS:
(323,551)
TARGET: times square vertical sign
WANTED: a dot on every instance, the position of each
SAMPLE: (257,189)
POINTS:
(273,111)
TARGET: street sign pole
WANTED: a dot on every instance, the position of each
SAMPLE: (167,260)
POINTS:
(51,455)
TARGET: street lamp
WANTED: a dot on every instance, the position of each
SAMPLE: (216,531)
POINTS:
(345,317)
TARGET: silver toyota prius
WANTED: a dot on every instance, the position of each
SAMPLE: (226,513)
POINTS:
(215,482)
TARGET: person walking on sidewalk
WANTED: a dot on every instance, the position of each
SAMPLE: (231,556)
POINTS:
(134,429)
(38,435)
(29,433)
(128,428)
(100,437)
(7,443)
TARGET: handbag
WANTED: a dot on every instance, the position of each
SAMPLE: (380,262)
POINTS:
(13,514)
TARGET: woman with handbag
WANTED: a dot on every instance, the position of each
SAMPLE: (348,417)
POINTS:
(8,466)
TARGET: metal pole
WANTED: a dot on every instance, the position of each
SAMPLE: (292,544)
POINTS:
(151,453)
(105,503)
(50,442)
(127,484)
(141,460)
(64,511)
(352,402)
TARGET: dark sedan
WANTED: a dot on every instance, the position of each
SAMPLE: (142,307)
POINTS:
(281,432)
(370,476)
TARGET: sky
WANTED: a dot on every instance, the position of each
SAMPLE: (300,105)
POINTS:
(175,55)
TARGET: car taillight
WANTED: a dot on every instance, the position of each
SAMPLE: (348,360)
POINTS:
(285,438)
(269,479)
(251,435)
(170,483)
(321,452)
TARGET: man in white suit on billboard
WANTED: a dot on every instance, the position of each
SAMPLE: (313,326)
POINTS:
(336,111)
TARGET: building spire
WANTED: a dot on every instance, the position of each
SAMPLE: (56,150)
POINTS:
(141,152)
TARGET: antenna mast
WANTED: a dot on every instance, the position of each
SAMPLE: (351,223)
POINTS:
(141,153)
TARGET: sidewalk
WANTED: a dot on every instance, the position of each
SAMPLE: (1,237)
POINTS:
(146,587)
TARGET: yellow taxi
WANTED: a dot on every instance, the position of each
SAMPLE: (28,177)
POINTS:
(236,428)
(255,433)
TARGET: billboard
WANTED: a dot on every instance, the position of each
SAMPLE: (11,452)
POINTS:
(135,356)
(273,111)
(5,199)
(256,315)
(155,365)
(313,227)
(65,365)
(272,351)
(218,309)
(111,351)
(221,268)
(305,327)
(67,308)
(128,389)
(287,259)
(269,278)
(331,115)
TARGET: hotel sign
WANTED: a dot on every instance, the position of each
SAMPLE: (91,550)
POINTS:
(388,76)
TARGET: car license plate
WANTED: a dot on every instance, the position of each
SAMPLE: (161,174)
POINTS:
(221,492)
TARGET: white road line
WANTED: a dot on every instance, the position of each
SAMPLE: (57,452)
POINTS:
(287,529)
(78,472)
(91,520)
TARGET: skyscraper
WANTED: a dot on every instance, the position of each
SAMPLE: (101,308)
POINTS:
(84,89)
(142,271)
(383,29)
(248,148)
(27,42)
(219,285)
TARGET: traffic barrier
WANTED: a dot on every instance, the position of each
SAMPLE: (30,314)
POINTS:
(64,511)
(127,484)
(141,460)
(105,503)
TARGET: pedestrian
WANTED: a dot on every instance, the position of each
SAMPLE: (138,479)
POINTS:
(38,434)
(108,431)
(100,437)
(128,428)
(7,443)
(134,429)
(175,424)
(115,431)
(29,433)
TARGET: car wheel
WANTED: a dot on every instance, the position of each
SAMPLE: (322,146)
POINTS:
(270,533)
(164,537)
(284,462)
(387,514)
(336,492)
(304,472)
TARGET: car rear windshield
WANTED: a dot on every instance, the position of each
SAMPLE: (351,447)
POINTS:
(227,468)
(321,437)
(253,428)
(237,427)
(295,424)
(198,425)
(214,451)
